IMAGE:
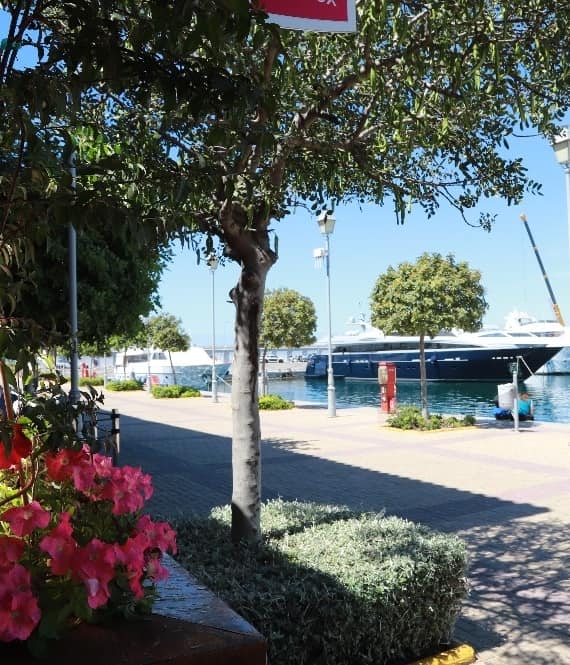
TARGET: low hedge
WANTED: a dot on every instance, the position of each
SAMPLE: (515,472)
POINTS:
(410,417)
(330,586)
(91,381)
(174,391)
(127,384)
(274,403)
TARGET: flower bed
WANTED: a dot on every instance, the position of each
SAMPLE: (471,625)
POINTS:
(74,543)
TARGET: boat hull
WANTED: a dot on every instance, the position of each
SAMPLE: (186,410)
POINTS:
(470,364)
(560,364)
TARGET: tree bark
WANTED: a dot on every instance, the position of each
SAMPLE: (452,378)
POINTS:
(172,368)
(246,441)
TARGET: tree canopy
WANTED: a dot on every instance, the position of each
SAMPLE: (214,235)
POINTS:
(203,122)
(423,298)
(289,320)
(165,331)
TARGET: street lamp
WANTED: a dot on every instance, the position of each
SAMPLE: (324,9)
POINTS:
(326,222)
(561,147)
(212,265)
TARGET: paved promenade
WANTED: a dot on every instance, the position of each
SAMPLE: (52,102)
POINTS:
(506,493)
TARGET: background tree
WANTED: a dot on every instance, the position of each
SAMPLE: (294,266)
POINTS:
(165,332)
(201,121)
(423,298)
(288,320)
(117,281)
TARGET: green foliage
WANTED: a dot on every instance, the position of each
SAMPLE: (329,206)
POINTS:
(165,332)
(91,381)
(161,392)
(423,298)
(331,586)
(127,384)
(238,121)
(433,294)
(274,403)
(410,417)
(288,320)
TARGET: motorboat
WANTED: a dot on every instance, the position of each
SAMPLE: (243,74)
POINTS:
(450,356)
(188,368)
(552,332)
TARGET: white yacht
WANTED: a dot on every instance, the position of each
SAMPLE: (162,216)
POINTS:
(189,368)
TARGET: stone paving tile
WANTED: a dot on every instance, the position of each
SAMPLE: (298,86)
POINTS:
(506,494)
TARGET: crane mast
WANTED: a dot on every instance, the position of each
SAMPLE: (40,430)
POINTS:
(555,306)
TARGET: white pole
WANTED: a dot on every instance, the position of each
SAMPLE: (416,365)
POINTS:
(148,387)
(516,397)
(331,397)
(214,377)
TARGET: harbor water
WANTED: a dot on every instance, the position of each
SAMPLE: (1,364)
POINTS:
(550,395)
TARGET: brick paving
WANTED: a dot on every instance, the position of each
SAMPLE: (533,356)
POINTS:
(506,493)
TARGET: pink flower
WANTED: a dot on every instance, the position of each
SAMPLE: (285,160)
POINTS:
(11,550)
(94,565)
(60,465)
(84,477)
(19,615)
(128,488)
(24,519)
(19,611)
(103,465)
(160,534)
(133,558)
(60,545)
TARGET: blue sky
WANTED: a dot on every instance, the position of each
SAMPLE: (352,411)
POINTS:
(367,240)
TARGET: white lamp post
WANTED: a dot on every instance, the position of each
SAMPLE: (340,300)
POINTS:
(212,265)
(561,147)
(326,222)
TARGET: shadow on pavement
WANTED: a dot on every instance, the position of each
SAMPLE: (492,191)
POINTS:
(519,568)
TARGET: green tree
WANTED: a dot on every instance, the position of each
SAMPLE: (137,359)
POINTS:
(165,332)
(289,319)
(422,298)
(117,280)
(208,124)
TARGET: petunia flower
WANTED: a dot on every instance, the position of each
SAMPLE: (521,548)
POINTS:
(94,565)
(160,534)
(19,615)
(60,465)
(60,545)
(11,550)
(25,519)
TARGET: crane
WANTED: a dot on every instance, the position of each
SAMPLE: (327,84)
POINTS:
(555,306)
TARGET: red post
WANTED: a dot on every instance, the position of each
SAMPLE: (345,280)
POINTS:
(387,381)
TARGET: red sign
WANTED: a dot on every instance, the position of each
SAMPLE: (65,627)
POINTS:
(319,15)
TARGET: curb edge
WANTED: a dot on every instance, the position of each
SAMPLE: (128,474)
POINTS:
(460,655)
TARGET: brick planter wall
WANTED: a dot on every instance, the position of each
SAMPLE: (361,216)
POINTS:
(189,626)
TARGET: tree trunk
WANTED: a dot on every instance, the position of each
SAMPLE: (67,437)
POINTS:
(423,377)
(172,368)
(246,450)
